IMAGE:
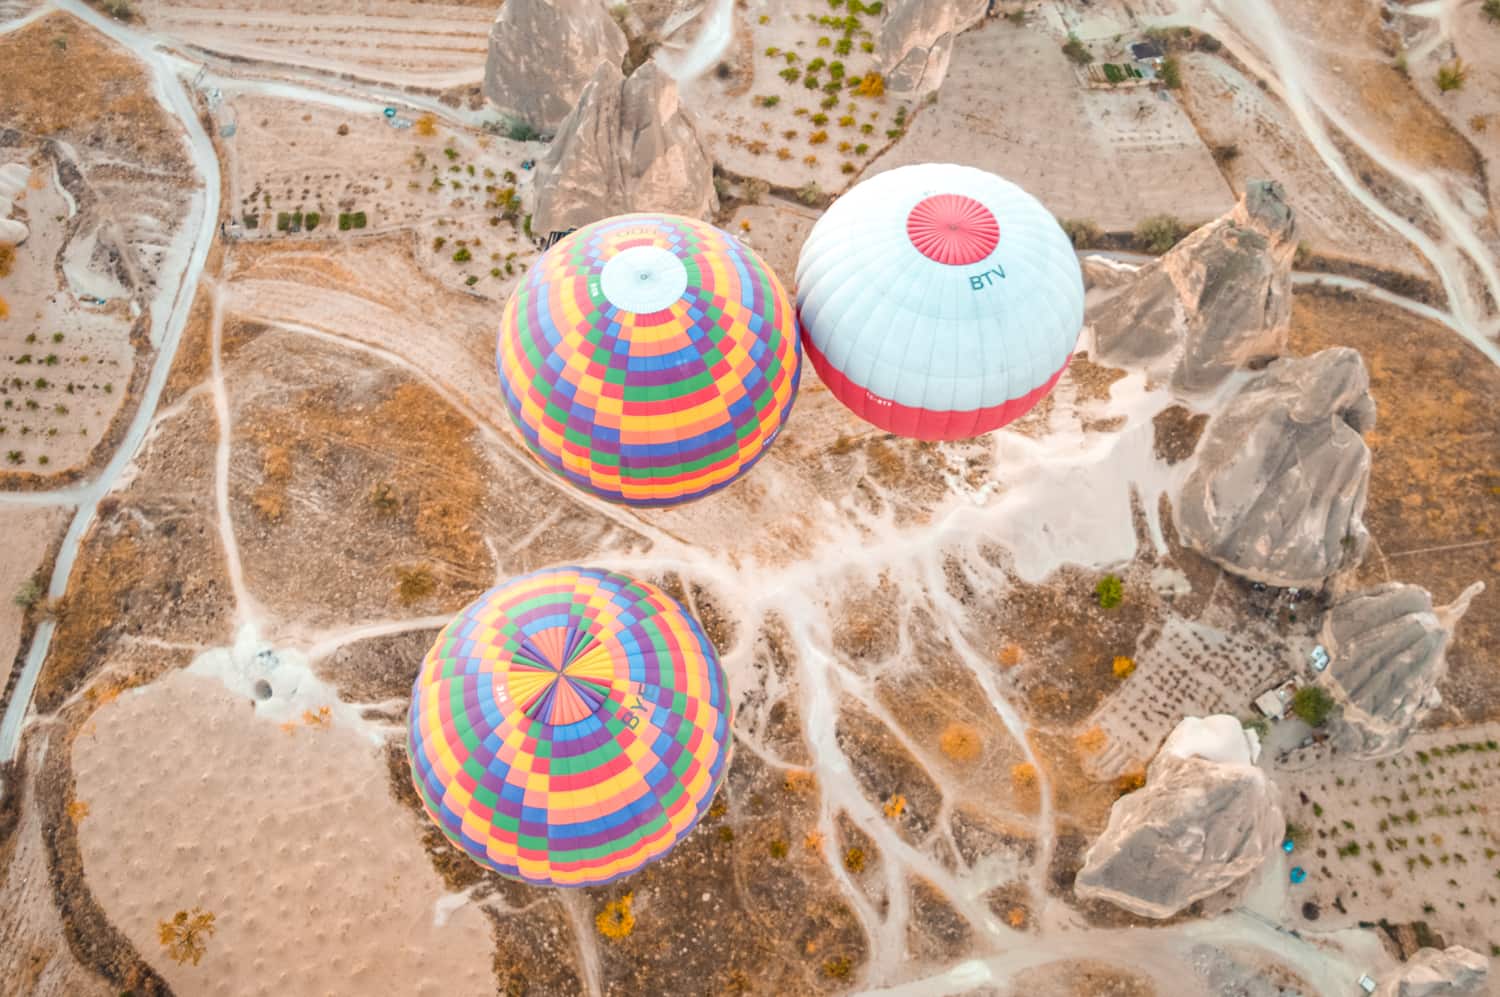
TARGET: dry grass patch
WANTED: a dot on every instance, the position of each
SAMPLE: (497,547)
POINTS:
(63,79)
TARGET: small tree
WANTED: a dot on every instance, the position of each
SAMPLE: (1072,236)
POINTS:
(1171,73)
(29,592)
(1452,75)
(1076,50)
(1491,10)
(1159,233)
(871,84)
(1110,591)
(1083,232)
(185,936)
(1313,704)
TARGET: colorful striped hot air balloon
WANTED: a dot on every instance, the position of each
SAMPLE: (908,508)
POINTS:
(569,727)
(649,359)
(939,301)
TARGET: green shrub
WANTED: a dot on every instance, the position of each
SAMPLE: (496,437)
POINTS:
(790,74)
(357,219)
(471,280)
(344,221)
(31,590)
(1159,233)
(1491,10)
(1110,591)
(250,221)
(770,101)
(310,220)
(820,119)
(844,45)
(1171,73)
(1113,73)
(283,221)
(520,131)
(1076,50)
(1083,232)
(1451,76)
(463,255)
(1313,704)
(816,65)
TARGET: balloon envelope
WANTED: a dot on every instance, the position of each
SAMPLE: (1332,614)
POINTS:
(649,359)
(569,727)
(939,301)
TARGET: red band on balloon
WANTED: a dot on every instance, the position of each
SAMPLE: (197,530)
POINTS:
(952,229)
(920,423)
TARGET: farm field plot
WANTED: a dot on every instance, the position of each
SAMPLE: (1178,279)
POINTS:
(410,44)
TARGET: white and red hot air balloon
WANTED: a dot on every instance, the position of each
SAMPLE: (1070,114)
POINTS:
(939,301)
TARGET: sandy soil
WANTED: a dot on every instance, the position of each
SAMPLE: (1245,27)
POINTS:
(1471,109)
(1231,111)
(26,533)
(412,44)
(34,956)
(314,875)
(778,143)
(448,186)
(1411,838)
(1012,103)
(66,364)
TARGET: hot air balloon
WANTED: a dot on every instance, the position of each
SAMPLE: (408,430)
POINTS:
(939,301)
(649,359)
(569,727)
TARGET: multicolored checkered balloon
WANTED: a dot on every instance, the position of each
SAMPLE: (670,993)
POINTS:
(649,359)
(569,727)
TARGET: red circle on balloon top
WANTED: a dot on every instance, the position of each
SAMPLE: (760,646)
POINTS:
(952,229)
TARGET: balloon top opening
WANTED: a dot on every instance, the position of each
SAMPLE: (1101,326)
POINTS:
(952,229)
(643,279)
(559,676)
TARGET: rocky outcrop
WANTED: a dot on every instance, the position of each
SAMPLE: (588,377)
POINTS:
(543,53)
(1278,493)
(1452,972)
(1216,301)
(1200,828)
(916,41)
(1387,648)
(13,179)
(628,146)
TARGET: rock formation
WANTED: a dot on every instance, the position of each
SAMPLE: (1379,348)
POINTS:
(13,179)
(628,146)
(544,52)
(1216,301)
(1453,972)
(1388,649)
(1279,489)
(916,41)
(1201,827)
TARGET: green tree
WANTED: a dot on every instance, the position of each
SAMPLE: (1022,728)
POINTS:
(1159,233)
(1171,73)
(1076,50)
(1312,704)
(1452,75)
(1491,10)
(1110,591)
